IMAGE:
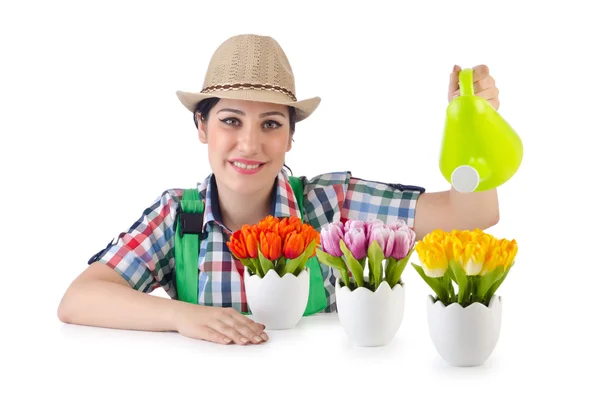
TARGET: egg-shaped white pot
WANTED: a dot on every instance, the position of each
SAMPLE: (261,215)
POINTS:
(277,302)
(464,336)
(370,318)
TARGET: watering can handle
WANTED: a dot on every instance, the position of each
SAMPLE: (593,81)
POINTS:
(465,82)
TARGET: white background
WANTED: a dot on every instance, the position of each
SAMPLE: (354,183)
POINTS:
(91,132)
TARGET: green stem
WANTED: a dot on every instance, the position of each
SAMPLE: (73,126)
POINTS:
(451,293)
(345,278)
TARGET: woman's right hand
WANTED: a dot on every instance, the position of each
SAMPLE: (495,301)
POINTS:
(217,324)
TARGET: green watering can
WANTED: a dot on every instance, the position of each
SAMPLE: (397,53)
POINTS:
(480,150)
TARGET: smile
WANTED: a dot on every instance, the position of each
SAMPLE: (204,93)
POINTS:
(246,166)
(246,169)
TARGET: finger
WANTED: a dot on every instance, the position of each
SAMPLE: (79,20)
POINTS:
(453,85)
(211,335)
(484,84)
(250,333)
(480,72)
(489,94)
(253,325)
(229,332)
(253,335)
(495,103)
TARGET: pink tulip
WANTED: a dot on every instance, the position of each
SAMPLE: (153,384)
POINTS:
(353,224)
(370,224)
(331,234)
(399,224)
(356,242)
(403,242)
(384,237)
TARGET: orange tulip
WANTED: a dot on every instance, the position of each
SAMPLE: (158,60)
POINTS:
(286,226)
(294,245)
(268,223)
(288,237)
(309,235)
(270,245)
(237,246)
(252,245)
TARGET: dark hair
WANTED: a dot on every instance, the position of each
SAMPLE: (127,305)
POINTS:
(204,107)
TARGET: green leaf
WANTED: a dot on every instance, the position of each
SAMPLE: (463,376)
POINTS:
(390,266)
(265,263)
(280,266)
(397,268)
(451,274)
(333,261)
(461,280)
(376,257)
(247,263)
(257,268)
(438,285)
(291,265)
(355,267)
(496,285)
(486,281)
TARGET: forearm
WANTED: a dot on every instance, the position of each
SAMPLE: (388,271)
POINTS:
(474,210)
(108,304)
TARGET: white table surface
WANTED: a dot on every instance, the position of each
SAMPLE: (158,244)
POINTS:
(314,358)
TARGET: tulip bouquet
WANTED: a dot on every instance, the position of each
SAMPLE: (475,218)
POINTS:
(284,245)
(353,246)
(473,260)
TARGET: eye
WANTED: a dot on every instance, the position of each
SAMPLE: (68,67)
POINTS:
(231,121)
(271,125)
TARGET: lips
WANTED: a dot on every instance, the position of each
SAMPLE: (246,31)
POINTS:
(243,167)
(246,161)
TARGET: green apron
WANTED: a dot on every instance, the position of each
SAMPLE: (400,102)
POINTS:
(188,233)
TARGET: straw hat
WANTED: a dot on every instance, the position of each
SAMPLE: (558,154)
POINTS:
(253,68)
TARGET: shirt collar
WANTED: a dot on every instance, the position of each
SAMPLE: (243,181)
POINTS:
(283,201)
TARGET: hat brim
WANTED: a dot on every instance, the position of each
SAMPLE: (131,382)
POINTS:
(304,108)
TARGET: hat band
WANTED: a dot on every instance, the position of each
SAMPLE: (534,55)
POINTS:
(246,86)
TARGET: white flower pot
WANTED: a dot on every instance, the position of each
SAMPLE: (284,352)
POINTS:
(464,336)
(277,302)
(370,318)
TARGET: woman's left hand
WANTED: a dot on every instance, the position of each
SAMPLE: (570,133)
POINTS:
(484,85)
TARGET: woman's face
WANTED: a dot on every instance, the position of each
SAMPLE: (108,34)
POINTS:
(247,142)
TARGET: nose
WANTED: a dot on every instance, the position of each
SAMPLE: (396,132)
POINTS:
(249,140)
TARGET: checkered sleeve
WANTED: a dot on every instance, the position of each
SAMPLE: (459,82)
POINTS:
(340,196)
(144,254)
(386,201)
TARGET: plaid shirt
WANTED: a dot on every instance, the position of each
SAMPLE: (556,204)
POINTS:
(144,254)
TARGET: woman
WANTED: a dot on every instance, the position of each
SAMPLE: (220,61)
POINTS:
(246,114)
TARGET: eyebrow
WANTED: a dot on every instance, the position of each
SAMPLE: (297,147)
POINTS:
(275,113)
(236,111)
(232,111)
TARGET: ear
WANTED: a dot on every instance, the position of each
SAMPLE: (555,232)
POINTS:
(202,133)
(289,145)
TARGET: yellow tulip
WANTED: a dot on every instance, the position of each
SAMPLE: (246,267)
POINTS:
(435,236)
(500,253)
(452,247)
(433,258)
(511,252)
(472,258)
(476,251)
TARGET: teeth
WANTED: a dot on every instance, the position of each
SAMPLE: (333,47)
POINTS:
(244,166)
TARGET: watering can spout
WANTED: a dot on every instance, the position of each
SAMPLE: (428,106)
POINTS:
(480,150)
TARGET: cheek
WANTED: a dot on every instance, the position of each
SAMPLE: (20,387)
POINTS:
(278,146)
(219,142)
